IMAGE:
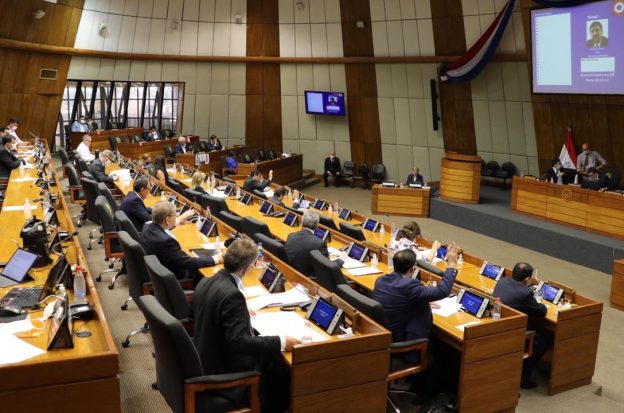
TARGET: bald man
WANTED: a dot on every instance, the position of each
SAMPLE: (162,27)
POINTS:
(589,159)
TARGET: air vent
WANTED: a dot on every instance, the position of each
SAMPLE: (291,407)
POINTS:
(48,74)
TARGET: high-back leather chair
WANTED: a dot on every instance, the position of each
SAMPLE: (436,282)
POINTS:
(235,222)
(124,224)
(252,226)
(327,272)
(112,249)
(167,289)
(105,191)
(272,245)
(215,204)
(351,231)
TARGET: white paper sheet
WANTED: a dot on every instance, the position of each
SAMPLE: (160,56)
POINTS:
(269,193)
(15,349)
(364,271)
(27,179)
(448,307)
(255,291)
(16,327)
(290,297)
(350,264)
(284,323)
(333,251)
(17,207)
(218,194)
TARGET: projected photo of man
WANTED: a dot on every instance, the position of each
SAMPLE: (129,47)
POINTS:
(597,39)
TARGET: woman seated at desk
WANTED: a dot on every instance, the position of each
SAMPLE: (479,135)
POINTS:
(406,238)
(197,182)
(159,170)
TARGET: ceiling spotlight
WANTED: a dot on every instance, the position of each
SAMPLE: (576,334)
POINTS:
(39,14)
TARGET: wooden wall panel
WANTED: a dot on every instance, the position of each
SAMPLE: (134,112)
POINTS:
(361,79)
(263,124)
(458,127)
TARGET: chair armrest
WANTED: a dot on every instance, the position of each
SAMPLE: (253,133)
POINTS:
(189,295)
(148,288)
(420,345)
(187,284)
(410,345)
(223,381)
(109,238)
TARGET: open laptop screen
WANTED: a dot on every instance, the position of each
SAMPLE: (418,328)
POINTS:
(18,266)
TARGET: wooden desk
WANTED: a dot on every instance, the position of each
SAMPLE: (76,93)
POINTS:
(461,178)
(64,379)
(617,285)
(214,159)
(400,201)
(99,138)
(153,148)
(586,209)
(285,170)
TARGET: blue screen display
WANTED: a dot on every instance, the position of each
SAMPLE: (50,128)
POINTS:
(356,252)
(323,314)
(471,303)
(550,292)
(290,219)
(268,277)
(370,224)
(491,271)
(320,232)
(206,227)
(325,103)
(319,204)
(266,207)
(344,214)
(442,252)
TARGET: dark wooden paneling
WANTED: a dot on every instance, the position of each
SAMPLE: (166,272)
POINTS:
(263,125)
(455,99)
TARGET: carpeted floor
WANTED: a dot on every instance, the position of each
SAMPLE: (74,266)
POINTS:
(605,394)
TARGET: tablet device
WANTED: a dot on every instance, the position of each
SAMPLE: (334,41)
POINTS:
(246,199)
(16,270)
(321,233)
(185,207)
(344,214)
(266,208)
(271,278)
(357,252)
(371,225)
(228,190)
(319,204)
(209,228)
(291,219)
(173,198)
(552,294)
(441,253)
(155,191)
(305,204)
(472,303)
(325,315)
(415,186)
(492,271)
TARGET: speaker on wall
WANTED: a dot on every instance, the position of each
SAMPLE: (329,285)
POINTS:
(434,104)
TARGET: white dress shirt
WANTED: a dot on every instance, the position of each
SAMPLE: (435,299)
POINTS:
(84,153)
(14,134)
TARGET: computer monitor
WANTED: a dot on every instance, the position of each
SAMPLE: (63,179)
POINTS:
(271,278)
(344,214)
(357,252)
(266,208)
(290,219)
(472,303)
(319,204)
(209,228)
(492,271)
(246,199)
(371,225)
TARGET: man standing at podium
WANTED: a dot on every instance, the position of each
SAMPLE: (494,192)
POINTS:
(332,167)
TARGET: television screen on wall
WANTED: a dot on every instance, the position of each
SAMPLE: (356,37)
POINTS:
(325,103)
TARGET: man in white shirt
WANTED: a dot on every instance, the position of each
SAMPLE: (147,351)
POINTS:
(11,128)
(80,125)
(83,150)
(589,159)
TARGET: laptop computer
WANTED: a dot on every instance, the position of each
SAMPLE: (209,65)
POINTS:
(16,270)
(28,297)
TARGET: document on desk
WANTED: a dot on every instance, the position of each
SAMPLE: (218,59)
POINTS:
(269,193)
(283,323)
(26,179)
(255,291)
(448,307)
(17,207)
(351,263)
(218,194)
(290,297)
(364,271)
(16,327)
(15,349)
(333,251)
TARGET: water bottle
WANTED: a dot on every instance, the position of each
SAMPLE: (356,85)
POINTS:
(382,230)
(496,311)
(374,260)
(393,230)
(460,260)
(238,192)
(336,207)
(330,210)
(199,223)
(390,258)
(27,210)
(306,338)
(290,193)
(22,171)
(218,242)
(162,196)
(80,286)
(260,255)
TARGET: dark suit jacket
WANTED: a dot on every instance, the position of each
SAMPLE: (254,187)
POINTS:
(156,241)
(518,296)
(251,184)
(298,247)
(99,171)
(178,149)
(330,166)
(552,176)
(406,303)
(8,162)
(604,42)
(216,147)
(418,179)
(200,189)
(222,327)
(135,209)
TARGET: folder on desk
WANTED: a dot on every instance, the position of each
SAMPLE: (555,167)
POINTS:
(290,297)
(284,323)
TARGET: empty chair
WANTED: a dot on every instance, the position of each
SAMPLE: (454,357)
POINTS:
(64,159)
(348,168)
(270,154)
(176,186)
(82,166)
(351,231)
(245,158)
(179,373)
(490,169)
(378,173)
(229,180)
(168,290)
(233,221)
(76,192)
(124,224)
(104,190)
(328,274)
(506,171)
(327,221)
(215,204)
(169,155)
(91,191)
(252,226)
(135,138)
(259,194)
(114,140)
(273,246)
(261,155)
(112,249)
(203,146)
(361,177)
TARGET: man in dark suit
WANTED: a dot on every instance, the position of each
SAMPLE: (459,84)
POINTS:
(332,167)
(181,146)
(255,180)
(555,173)
(516,292)
(223,334)
(98,167)
(152,134)
(300,243)
(133,204)
(214,144)
(157,239)
(597,39)
(415,177)
(8,161)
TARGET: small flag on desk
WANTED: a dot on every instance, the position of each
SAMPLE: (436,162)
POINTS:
(568,153)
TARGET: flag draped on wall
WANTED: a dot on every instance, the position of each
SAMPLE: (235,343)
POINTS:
(568,153)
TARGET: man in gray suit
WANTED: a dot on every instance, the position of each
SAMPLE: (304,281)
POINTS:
(300,243)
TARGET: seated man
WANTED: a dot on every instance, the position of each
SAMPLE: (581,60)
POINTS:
(181,146)
(332,167)
(300,243)
(84,149)
(12,131)
(133,204)
(157,239)
(589,159)
(98,167)
(516,292)
(8,161)
(255,180)
(80,125)
(595,181)
(415,177)
(153,135)
(555,173)
(278,198)
(223,335)
(215,144)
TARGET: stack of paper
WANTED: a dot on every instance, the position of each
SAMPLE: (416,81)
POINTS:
(284,323)
(364,271)
(290,297)
(350,264)
(255,291)
(15,350)
(448,307)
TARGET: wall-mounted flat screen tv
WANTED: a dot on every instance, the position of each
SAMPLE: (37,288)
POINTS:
(325,103)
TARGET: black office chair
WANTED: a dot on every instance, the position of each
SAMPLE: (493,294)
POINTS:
(76,192)
(399,368)
(203,146)
(270,154)
(168,291)
(378,173)
(348,169)
(490,169)
(104,190)
(169,155)
(229,180)
(136,272)
(260,194)
(506,171)
(176,186)
(215,204)
(252,226)
(193,195)
(135,138)
(244,158)
(114,140)
(430,267)
(91,191)
(273,246)
(351,231)
(179,374)
(233,221)
(64,159)
(327,221)
(82,167)
(326,271)
(361,177)
(124,224)
(112,249)
(261,155)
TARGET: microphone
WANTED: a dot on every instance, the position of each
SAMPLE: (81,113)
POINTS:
(60,241)
(33,135)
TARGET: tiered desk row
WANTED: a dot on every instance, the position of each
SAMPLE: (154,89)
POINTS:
(71,379)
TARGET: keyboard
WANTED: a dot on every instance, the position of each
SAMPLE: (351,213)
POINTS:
(22,297)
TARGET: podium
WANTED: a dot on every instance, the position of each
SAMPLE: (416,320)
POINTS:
(461,178)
